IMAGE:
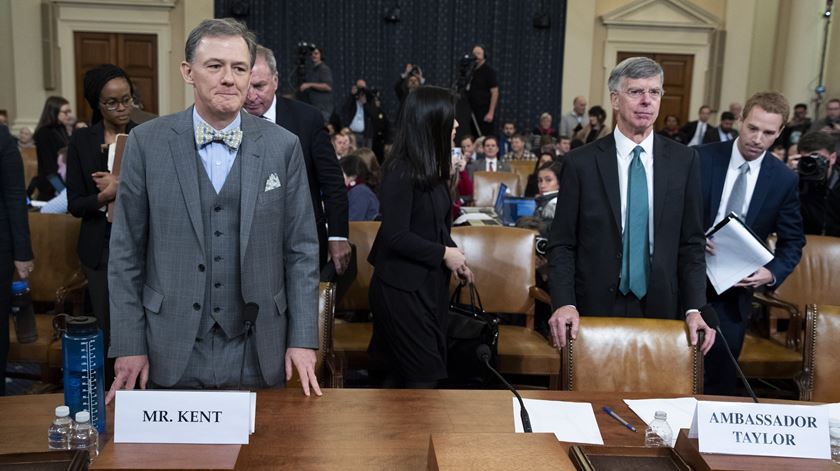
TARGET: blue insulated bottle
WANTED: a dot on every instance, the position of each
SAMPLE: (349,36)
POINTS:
(84,369)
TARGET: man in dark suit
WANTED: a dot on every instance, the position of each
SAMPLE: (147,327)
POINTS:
(14,236)
(725,131)
(627,238)
(490,162)
(694,131)
(326,182)
(742,177)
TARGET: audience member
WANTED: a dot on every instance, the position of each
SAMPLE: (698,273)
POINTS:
(326,185)
(478,148)
(819,184)
(25,139)
(596,128)
(50,136)
(490,162)
(460,184)
(518,151)
(246,232)
(410,79)
(573,121)
(792,157)
(694,131)
(467,149)
(562,146)
(341,144)
(671,128)
(548,182)
(724,132)
(545,127)
(483,93)
(357,113)
(15,247)
(606,201)
(532,187)
(372,165)
(317,87)
(508,131)
(798,125)
(739,176)
(413,254)
(363,204)
(58,205)
(831,122)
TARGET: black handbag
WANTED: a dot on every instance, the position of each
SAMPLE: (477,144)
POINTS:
(468,327)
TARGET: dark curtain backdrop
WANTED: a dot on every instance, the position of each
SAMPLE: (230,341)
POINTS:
(434,34)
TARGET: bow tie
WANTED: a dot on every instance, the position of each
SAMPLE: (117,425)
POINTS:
(204,135)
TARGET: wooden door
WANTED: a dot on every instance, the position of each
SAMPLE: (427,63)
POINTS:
(134,53)
(678,70)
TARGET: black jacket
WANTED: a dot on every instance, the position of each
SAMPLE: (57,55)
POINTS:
(14,223)
(48,141)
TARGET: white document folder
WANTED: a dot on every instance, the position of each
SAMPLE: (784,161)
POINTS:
(738,253)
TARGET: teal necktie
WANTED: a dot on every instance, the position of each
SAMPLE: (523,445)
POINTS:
(635,260)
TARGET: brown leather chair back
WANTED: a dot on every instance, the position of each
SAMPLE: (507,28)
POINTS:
(362,235)
(814,281)
(822,351)
(30,164)
(54,240)
(326,311)
(523,168)
(486,185)
(632,355)
(503,261)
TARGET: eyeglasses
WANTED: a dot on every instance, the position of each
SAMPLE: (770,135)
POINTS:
(113,104)
(636,93)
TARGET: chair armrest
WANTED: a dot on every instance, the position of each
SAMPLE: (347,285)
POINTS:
(540,295)
(770,299)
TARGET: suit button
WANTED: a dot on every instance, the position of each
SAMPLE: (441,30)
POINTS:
(217,284)
(197,306)
(217,233)
(216,309)
(201,267)
(217,208)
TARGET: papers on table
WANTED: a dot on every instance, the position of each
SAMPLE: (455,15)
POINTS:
(738,253)
(569,421)
(833,410)
(680,411)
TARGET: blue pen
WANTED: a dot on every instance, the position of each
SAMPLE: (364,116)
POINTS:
(618,418)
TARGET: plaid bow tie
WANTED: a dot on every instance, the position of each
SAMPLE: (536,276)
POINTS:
(204,135)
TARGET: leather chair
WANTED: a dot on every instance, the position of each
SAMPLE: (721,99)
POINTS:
(614,354)
(486,186)
(523,168)
(821,368)
(30,164)
(504,264)
(351,339)
(325,367)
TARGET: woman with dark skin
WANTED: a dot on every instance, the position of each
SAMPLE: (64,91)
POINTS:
(90,186)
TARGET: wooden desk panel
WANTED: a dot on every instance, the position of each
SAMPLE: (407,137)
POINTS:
(521,452)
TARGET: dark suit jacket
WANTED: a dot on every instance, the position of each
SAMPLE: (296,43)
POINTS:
(326,182)
(412,238)
(480,165)
(774,207)
(712,135)
(690,128)
(48,141)
(586,242)
(84,157)
(14,225)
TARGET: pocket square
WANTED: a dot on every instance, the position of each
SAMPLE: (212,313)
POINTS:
(272,183)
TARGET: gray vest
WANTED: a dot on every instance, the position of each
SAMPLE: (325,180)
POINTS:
(220,214)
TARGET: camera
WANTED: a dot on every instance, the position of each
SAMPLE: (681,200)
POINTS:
(369,93)
(812,168)
(541,244)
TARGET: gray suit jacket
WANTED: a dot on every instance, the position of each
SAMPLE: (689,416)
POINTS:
(155,273)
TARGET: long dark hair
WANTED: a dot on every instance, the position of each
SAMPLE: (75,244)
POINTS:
(49,115)
(424,138)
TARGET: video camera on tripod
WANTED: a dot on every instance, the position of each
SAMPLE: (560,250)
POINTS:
(304,49)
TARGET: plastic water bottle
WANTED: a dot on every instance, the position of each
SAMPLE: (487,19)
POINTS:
(61,428)
(659,433)
(84,369)
(85,436)
(834,430)
(22,313)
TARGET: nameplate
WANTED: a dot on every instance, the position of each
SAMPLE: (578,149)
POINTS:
(200,417)
(745,428)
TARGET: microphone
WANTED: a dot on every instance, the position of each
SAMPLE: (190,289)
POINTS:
(250,314)
(483,354)
(709,315)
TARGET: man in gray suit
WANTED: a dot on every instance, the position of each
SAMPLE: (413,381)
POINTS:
(213,213)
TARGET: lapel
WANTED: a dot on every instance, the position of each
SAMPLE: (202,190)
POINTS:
(662,171)
(97,138)
(762,186)
(720,164)
(251,185)
(605,160)
(184,155)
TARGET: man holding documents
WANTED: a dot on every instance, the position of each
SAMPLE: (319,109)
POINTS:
(741,177)
(213,214)
(627,237)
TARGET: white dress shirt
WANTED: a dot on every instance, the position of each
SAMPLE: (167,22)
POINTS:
(493,162)
(698,134)
(271,113)
(624,154)
(735,161)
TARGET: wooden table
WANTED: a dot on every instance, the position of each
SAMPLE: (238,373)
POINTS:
(347,429)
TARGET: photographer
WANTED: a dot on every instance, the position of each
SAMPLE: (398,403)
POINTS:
(819,191)
(362,113)
(317,87)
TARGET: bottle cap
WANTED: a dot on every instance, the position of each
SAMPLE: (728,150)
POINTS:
(62,411)
(19,286)
(82,416)
(81,325)
(661,415)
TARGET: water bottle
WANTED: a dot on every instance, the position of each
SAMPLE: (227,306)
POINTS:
(84,369)
(85,436)
(22,313)
(658,433)
(60,430)
(834,430)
